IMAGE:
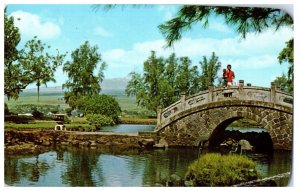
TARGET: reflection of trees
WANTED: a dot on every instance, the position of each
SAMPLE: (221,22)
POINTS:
(15,169)
(162,164)
(80,165)
(11,173)
(280,163)
(273,163)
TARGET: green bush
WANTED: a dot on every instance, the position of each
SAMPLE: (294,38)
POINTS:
(37,114)
(100,104)
(98,120)
(18,119)
(29,108)
(221,170)
(69,111)
(6,110)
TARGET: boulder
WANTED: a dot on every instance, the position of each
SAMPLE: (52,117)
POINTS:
(147,143)
(162,143)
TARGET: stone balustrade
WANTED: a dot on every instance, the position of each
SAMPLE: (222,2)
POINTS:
(252,93)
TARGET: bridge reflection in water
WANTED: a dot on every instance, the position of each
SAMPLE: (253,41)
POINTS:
(198,117)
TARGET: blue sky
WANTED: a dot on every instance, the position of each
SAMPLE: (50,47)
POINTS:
(125,36)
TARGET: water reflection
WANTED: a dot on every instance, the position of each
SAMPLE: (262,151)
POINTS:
(91,167)
(128,128)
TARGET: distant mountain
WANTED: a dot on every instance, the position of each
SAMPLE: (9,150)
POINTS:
(115,83)
(113,86)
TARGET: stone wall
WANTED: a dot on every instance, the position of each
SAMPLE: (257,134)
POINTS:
(24,142)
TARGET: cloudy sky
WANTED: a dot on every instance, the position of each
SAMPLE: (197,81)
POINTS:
(125,36)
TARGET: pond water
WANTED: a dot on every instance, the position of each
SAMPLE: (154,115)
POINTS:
(246,129)
(71,166)
(128,128)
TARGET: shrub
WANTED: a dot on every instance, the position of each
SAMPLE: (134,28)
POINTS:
(6,110)
(29,108)
(100,104)
(221,170)
(69,111)
(98,120)
(37,114)
(18,119)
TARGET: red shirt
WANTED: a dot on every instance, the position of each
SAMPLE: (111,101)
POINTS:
(230,75)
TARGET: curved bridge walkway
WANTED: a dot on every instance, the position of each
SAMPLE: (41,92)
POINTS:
(193,119)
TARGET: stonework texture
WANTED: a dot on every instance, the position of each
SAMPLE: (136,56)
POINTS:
(194,125)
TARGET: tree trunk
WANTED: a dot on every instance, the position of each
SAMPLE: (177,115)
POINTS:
(38,94)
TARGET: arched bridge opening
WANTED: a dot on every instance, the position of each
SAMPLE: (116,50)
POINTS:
(256,135)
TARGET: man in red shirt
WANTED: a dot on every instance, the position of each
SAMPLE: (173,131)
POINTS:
(230,75)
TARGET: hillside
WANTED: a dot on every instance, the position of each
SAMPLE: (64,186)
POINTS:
(54,96)
(114,86)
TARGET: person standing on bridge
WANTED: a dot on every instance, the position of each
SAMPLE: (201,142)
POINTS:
(225,82)
(230,75)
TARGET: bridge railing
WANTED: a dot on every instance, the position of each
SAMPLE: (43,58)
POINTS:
(241,92)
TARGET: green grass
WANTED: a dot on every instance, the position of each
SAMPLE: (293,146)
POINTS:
(214,169)
(128,104)
(127,120)
(244,123)
(45,125)
(35,125)
(31,99)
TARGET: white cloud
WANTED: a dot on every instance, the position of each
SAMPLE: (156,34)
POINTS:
(218,26)
(168,10)
(102,32)
(253,62)
(31,25)
(114,54)
(255,52)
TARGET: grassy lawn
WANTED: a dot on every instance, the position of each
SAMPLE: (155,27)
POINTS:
(39,124)
(35,125)
(147,121)
(32,99)
(128,104)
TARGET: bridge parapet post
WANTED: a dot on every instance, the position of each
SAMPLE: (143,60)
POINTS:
(241,90)
(159,113)
(273,93)
(210,94)
(182,100)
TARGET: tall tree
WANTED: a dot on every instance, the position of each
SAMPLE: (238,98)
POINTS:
(39,64)
(85,60)
(287,55)
(187,77)
(14,78)
(209,70)
(168,84)
(282,82)
(136,87)
(162,81)
(153,70)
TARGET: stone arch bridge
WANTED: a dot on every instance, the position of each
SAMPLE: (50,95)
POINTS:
(195,118)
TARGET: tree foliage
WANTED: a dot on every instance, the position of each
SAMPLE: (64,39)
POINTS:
(99,104)
(82,81)
(164,80)
(282,82)
(287,55)
(244,19)
(98,120)
(209,70)
(14,78)
(38,64)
